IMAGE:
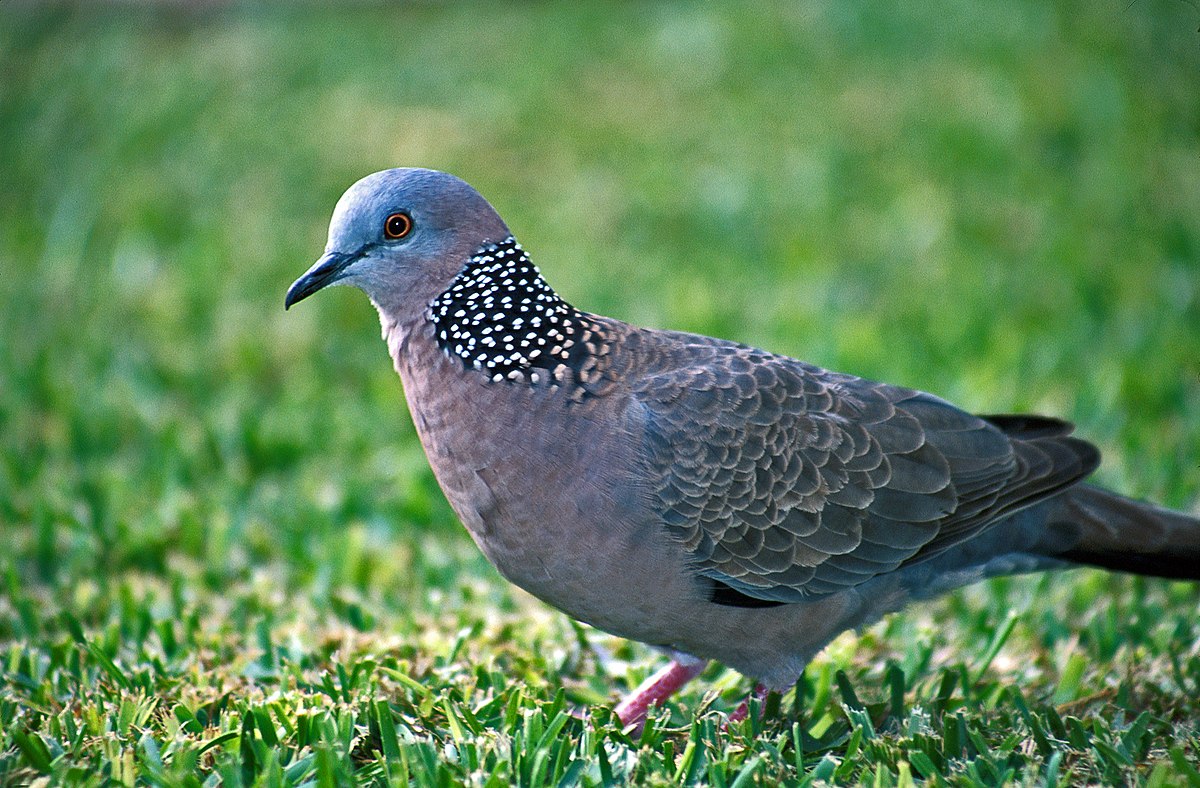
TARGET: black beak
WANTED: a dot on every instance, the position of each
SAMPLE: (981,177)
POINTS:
(324,272)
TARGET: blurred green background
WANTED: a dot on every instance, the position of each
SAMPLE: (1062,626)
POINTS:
(995,202)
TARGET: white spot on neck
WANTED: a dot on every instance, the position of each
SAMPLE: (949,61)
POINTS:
(500,293)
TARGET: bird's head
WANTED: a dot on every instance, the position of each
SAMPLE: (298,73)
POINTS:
(401,236)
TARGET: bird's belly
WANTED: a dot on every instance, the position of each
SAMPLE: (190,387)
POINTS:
(575,546)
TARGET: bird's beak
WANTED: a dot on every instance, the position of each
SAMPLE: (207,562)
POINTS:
(330,268)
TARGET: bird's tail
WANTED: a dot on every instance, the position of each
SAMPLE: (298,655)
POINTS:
(1089,525)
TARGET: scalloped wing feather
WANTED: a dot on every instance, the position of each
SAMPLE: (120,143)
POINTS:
(786,481)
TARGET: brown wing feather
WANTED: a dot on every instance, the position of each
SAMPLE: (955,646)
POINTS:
(785,481)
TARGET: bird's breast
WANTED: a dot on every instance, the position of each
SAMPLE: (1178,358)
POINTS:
(547,486)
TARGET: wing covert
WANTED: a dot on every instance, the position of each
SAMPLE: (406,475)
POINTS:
(785,481)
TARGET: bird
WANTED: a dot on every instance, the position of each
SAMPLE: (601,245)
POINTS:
(715,501)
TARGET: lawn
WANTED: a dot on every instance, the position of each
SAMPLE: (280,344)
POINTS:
(223,558)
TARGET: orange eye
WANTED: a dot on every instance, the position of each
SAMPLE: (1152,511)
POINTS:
(397,226)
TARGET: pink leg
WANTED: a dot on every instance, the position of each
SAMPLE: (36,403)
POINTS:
(740,713)
(654,690)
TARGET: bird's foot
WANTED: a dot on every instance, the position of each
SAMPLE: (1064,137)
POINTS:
(656,689)
(741,712)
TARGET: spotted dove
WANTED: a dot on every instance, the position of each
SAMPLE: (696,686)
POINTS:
(711,499)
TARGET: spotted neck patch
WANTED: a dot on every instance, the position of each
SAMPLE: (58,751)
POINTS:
(499,316)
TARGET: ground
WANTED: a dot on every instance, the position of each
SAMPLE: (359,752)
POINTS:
(224,558)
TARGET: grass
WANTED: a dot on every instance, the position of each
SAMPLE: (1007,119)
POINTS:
(223,557)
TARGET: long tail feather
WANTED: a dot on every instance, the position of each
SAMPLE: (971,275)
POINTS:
(1101,528)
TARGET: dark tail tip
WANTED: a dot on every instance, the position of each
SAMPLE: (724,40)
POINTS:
(1124,535)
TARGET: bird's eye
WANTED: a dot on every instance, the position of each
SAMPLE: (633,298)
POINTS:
(397,226)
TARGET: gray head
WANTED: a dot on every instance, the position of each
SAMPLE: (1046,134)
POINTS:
(401,236)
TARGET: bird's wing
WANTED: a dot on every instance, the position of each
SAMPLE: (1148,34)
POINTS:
(784,481)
